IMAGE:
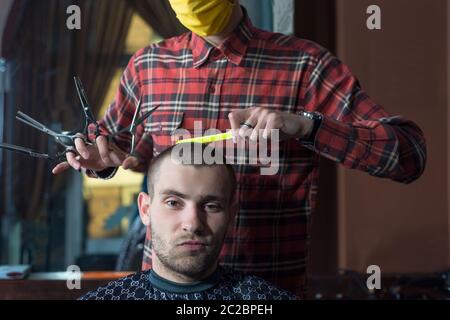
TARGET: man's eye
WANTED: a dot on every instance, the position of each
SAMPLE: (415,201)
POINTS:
(213,207)
(173,203)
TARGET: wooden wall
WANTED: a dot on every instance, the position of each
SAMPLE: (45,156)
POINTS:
(404,67)
(401,228)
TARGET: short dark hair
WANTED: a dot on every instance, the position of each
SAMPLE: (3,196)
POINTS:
(190,159)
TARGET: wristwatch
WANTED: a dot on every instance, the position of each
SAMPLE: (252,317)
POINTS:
(317,119)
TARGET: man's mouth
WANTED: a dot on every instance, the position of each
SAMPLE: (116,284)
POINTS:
(193,245)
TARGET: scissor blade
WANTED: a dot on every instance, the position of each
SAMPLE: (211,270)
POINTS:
(23,150)
(136,113)
(84,103)
(137,123)
(22,117)
(144,117)
(27,119)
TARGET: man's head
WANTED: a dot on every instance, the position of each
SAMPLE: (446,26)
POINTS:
(188,209)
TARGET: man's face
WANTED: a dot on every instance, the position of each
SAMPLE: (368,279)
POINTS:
(189,215)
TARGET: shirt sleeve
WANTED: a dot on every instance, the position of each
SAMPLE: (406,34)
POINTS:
(356,131)
(120,115)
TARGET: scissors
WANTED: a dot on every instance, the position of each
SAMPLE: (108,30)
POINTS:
(58,157)
(134,124)
(63,138)
(67,138)
(88,115)
(90,119)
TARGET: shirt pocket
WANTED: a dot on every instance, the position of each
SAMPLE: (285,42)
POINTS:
(161,125)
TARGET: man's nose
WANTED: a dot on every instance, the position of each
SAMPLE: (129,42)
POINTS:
(193,219)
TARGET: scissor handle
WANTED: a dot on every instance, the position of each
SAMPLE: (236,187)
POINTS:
(61,156)
(135,116)
(88,115)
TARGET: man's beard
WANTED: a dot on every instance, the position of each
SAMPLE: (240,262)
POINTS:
(190,264)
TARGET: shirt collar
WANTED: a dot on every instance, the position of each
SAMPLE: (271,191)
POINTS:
(170,286)
(234,47)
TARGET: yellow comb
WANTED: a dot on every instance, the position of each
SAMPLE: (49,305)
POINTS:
(208,139)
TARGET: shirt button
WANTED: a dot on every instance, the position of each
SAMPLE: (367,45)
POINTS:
(211,89)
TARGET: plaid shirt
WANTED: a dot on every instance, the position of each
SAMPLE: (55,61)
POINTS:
(189,79)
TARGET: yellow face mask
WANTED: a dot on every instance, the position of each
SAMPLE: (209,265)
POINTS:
(203,17)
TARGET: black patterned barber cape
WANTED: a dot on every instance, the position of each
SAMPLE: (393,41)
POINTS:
(224,284)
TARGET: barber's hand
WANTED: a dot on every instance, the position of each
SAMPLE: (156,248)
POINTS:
(256,119)
(96,157)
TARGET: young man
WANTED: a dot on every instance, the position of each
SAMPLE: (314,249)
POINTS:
(188,209)
(225,73)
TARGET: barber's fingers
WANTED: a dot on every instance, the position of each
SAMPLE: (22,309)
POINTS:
(248,124)
(81,147)
(116,158)
(73,162)
(237,117)
(61,167)
(260,125)
(234,119)
(103,149)
(130,163)
(234,125)
(274,121)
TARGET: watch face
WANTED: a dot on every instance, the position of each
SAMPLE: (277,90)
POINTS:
(310,115)
(307,114)
(318,115)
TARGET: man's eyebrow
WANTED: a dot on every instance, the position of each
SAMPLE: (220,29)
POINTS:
(171,192)
(205,198)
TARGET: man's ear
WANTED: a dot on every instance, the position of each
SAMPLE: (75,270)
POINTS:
(144,207)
